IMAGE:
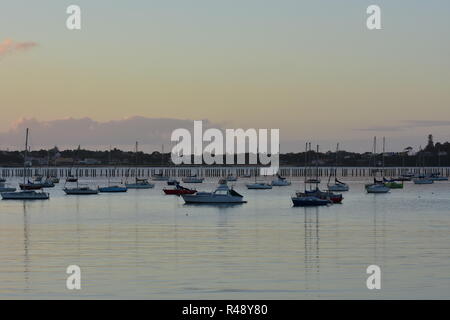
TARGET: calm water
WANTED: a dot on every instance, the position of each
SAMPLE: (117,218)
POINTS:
(143,244)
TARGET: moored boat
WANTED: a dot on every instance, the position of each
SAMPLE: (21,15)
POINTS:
(80,191)
(423,181)
(140,184)
(258,186)
(338,186)
(377,188)
(179,190)
(192,179)
(323,195)
(25,195)
(304,200)
(222,195)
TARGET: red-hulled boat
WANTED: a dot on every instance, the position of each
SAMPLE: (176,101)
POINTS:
(326,195)
(31,186)
(179,190)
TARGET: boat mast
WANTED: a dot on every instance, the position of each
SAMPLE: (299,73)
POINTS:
(25,156)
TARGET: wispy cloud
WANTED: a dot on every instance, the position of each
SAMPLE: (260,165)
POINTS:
(10,46)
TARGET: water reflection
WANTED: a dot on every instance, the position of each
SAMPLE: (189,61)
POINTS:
(26,243)
(312,247)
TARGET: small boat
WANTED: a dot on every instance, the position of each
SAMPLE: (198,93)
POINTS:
(25,195)
(172,182)
(71,179)
(313,180)
(80,191)
(140,184)
(423,181)
(48,184)
(392,183)
(438,177)
(377,188)
(258,186)
(192,179)
(222,195)
(402,179)
(159,177)
(280,182)
(179,190)
(338,186)
(31,186)
(323,195)
(304,200)
(38,178)
(2,180)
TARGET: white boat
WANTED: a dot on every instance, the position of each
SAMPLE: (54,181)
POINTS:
(140,184)
(25,195)
(423,181)
(258,186)
(222,195)
(377,188)
(80,191)
(280,182)
(192,179)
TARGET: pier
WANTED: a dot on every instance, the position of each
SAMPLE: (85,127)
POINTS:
(203,171)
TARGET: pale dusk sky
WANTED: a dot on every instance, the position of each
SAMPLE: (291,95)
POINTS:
(310,68)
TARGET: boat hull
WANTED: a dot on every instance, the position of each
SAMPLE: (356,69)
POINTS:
(139,186)
(192,180)
(258,186)
(78,191)
(178,192)
(423,181)
(25,195)
(112,189)
(339,187)
(308,202)
(211,199)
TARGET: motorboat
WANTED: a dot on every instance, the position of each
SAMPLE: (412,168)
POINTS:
(192,179)
(31,185)
(140,184)
(258,186)
(323,195)
(304,200)
(423,180)
(280,182)
(338,186)
(25,195)
(179,190)
(222,195)
(80,191)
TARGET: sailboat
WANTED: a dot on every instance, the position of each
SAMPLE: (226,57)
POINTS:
(258,185)
(25,194)
(160,175)
(338,185)
(112,188)
(139,183)
(423,179)
(377,186)
(311,198)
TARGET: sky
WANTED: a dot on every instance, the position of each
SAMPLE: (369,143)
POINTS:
(310,68)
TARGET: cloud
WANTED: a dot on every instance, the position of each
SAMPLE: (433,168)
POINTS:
(151,133)
(9,46)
